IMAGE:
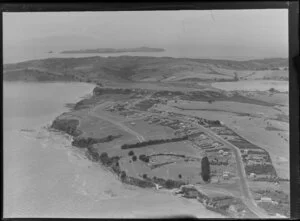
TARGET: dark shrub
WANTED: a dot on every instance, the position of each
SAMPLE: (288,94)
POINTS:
(130,153)
(145,176)
(179,176)
(134,158)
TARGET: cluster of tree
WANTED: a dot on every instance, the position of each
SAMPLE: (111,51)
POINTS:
(144,158)
(68,126)
(88,141)
(92,154)
(273,208)
(205,169)
(214,122)
(153,142)
(138,182)
(266,169)
(169,184)
(109,161)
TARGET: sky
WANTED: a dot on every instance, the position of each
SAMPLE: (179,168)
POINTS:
(235,32)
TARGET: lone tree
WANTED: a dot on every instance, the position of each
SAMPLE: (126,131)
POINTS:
(134,158)
(130,153)
(145,176)
(205,167)
(272,90)
(179,176)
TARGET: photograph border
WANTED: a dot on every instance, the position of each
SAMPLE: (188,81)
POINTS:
(293,8)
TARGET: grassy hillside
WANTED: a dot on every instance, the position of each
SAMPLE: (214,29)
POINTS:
(132,68)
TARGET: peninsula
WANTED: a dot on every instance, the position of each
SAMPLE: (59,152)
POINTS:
(162,123)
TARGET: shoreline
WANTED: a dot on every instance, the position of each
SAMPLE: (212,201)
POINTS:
(110,164)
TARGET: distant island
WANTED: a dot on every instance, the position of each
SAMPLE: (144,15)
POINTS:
(113,50)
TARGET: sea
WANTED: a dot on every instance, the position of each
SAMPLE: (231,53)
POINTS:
(45,176)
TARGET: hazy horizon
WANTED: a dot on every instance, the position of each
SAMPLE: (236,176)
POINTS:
(190,33)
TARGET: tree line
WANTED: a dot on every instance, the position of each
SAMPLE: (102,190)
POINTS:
(153,142)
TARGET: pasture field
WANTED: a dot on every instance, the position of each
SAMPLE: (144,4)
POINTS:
(252,85)
(228,106)
(189,172)
(96,128)
(150,131)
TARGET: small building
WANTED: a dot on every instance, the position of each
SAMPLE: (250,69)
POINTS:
(132,123)
(225,153)
(252,175)
(225,175)
(221,151)
(266,199)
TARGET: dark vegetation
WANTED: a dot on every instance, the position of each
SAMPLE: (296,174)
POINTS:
(68,126)
(205,169)
(267,169)
(130,153)
(153,142)
(144,158)
(87,141)
(134,158)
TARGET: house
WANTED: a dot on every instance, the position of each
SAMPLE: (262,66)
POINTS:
(225,153)
(266,199)
(221,151)
(215,144)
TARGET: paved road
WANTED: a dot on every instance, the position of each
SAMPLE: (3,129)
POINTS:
(246,195)
(119,124)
